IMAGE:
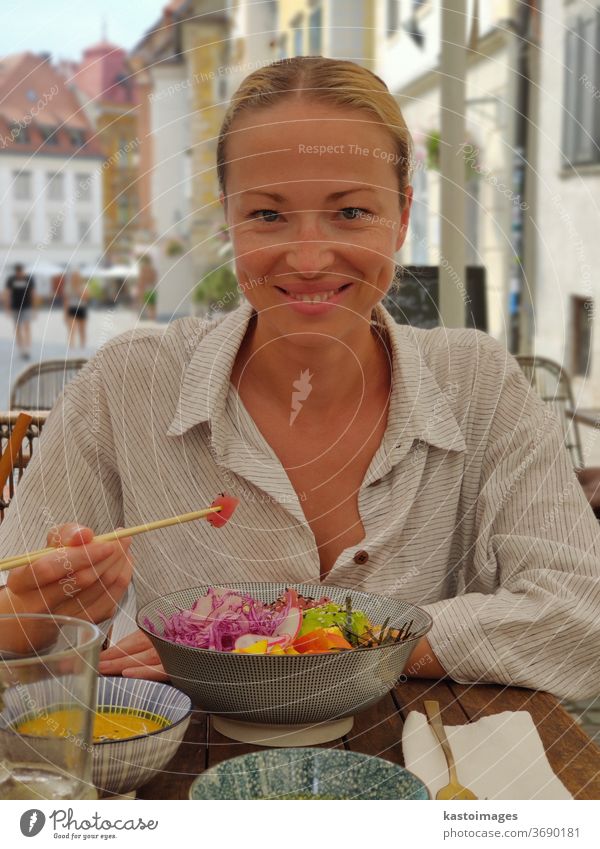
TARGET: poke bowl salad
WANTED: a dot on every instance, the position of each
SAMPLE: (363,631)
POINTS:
(277,653)
(234,621)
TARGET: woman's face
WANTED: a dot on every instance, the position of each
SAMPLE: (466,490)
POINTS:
(314,215)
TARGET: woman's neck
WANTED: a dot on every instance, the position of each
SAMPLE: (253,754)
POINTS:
(336,375)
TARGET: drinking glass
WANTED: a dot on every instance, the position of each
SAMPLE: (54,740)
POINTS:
(48,677)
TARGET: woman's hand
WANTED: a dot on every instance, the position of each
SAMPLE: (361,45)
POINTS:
(83,579)
(423,663)
(133,657)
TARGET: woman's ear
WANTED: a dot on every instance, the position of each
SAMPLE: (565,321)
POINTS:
(404,217)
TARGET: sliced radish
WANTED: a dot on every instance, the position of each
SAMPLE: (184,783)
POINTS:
(292,623)
(202,607)
(228,504)
(290,627)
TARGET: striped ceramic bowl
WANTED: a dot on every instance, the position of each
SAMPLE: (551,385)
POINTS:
(120,766)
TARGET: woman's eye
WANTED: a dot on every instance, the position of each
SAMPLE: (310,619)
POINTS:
(356,212)
(267,212)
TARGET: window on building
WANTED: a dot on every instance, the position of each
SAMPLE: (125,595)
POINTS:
(123,211)
(77,137)
(419,218)
(49,134)
(56,186)
(297,35)
(472,218)
(19,133)
(315,22)
(581,99)
(83,231)
(221,88)
(412,26)
(392,16)
(582,310)
(55,229)
(84,186)
(22,183)
(23,230)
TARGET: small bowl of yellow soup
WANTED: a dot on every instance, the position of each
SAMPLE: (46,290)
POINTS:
(138,727)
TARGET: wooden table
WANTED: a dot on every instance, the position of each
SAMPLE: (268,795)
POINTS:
(378,731)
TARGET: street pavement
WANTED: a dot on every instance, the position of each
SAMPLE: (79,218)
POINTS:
(49,340)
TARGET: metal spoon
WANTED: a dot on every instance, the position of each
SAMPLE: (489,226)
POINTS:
(452,790)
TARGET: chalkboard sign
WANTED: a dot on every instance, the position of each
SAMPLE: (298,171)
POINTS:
(414,296)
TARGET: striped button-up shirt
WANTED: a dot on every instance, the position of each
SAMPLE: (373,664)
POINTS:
(470,505)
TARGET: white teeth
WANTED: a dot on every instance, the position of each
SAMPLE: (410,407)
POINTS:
(314,299)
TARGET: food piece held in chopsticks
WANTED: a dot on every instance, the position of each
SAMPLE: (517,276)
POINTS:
(227,503)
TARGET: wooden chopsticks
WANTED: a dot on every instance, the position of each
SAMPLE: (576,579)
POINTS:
(31,556)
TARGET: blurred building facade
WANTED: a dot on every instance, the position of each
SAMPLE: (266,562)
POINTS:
(50,172)
(339,29)
(107,91)
(183,100)
(567,287)
(408,36)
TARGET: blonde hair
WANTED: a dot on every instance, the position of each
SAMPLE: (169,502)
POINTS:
(333,81)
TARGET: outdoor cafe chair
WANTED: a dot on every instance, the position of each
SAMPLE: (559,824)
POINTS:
(553,384)
(38,387)
(32,434)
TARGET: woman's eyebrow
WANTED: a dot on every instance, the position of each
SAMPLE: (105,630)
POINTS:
(333,196)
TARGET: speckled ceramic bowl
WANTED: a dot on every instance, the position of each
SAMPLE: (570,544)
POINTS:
(287,689)
(307,774)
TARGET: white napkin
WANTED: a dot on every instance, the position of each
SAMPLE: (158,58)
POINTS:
(497,757)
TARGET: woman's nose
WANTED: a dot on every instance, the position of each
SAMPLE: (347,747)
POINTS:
(309,250)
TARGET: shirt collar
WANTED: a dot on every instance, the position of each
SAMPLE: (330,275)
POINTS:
(419,407)
(206,381)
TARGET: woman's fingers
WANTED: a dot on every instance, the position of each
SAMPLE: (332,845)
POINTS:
(129,645)
(57,578)
(99,601)
(62,565)
(148,673)
(118,664)
(133,657)
(69,534)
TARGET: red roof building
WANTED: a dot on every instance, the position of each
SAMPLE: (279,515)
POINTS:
(39,112)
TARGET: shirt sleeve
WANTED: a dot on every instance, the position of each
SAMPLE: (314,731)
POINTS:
(530,611)
(72,476)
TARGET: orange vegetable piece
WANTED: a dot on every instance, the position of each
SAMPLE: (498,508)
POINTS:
(321,640)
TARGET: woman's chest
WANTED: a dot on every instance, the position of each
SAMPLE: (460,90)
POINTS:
(326,469)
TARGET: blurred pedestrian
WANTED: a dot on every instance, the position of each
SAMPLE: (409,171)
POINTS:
(19,299)
(75,299)
(147,294)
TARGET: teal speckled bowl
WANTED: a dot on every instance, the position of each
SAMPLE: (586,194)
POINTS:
(307,774)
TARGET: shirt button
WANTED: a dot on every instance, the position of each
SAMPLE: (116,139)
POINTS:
(361,557)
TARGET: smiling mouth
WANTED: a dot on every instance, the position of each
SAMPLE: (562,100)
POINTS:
(314,297)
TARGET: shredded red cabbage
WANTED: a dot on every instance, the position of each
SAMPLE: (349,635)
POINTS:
(216,620)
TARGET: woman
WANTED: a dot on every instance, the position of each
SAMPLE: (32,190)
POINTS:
(75,298)
(365,454)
